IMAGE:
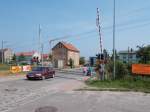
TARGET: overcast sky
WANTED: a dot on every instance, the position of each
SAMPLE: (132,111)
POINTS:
(19,21)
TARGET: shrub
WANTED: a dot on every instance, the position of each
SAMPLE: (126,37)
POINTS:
(121,69)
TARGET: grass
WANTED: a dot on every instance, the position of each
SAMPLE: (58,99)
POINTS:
(4,67)
(130,84)
(5,71)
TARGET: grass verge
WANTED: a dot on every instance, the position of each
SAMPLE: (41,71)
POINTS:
(6,73)
(131,84)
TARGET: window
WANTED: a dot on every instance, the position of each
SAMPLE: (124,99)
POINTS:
(130,57)
(124,57)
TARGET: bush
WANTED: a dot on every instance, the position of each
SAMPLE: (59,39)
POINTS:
(121,69)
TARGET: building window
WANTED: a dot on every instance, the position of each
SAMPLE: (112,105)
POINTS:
(124,57)
(130,56)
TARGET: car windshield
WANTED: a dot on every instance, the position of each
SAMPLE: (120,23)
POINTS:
(37,69)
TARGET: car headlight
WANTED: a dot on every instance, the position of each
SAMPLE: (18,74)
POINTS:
(38,74)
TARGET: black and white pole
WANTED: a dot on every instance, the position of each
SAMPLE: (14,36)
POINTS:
(101,46)
(99,30)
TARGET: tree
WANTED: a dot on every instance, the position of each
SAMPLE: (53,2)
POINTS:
(71,63)
(14,59)
(121,69)
(21,58)
(143,53)
(50,57)
(82,60)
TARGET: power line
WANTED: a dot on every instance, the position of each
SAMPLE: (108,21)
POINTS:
(118,26)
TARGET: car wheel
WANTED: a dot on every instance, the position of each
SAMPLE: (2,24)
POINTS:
(53,75)
(43,77)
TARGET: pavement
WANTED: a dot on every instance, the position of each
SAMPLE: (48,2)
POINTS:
(58,95)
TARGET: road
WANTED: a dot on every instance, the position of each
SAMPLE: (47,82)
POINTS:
(20,95)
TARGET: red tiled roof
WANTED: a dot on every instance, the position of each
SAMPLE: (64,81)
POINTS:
(30,54)
(70,46)
(25,53)
(45,55)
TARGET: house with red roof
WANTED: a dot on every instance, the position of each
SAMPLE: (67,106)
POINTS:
(62,52)
(28,56)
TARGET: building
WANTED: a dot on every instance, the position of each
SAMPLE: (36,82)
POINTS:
(128,56)
(6,54)
(62,52)
(92,61)
(28,56)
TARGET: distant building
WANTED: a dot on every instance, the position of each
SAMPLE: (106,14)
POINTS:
(28,56)
(7,55)
(62,52)
(128,56)
(92,61)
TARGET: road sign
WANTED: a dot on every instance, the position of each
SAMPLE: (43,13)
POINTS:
(16,69)
(141,69)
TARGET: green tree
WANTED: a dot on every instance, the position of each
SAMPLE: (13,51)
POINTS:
(82,61)
(14,59)
(50,57)
(143,53)
(21,58)
(121,69)
(71,63)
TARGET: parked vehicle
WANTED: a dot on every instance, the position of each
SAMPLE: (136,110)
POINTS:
(41,73)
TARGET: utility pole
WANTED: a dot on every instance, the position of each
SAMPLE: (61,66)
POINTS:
(114,30)
(2,52)
(128,54)
(50,44)
(39,42)
(42,46)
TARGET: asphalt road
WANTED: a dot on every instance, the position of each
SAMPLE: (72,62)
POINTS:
(57,95)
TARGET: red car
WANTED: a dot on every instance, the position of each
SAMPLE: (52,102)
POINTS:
(41,73)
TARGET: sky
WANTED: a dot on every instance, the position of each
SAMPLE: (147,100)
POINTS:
(75,19)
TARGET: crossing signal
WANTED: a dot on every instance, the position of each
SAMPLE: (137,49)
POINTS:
(100,56)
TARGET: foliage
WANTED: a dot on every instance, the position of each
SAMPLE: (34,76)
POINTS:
(121,69)
(14,60)
(50,57)
(14,57)
(71,63)
(82,60)
(4,67)
(143,53)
